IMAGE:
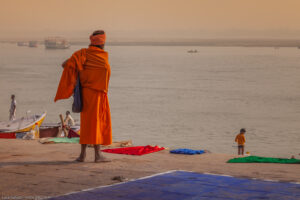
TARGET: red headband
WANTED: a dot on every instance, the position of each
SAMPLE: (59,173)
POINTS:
(98,39)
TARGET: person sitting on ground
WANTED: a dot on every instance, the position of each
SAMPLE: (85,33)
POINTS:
(240,139)
(69,121)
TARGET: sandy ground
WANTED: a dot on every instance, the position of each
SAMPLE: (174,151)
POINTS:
(28,168)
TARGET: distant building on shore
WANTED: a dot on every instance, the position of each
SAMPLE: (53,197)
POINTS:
(56,43)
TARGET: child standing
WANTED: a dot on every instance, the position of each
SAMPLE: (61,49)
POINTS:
(240,139)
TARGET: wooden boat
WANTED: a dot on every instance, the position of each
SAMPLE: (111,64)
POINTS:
(23,124)
(49,130)
(54,130)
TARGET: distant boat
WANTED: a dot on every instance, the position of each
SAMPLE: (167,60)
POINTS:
(23,124)
(56,43)
(20,44)
(33,43)
(193,51)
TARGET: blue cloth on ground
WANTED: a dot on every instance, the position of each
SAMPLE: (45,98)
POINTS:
(187,151)
(190,186)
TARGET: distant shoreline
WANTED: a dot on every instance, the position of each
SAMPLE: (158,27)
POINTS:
(213,43)
(199,42)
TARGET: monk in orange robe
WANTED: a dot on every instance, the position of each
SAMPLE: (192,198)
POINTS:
(94,72)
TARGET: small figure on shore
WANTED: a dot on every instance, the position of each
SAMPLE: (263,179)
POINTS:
(13,108)
(69,121)
(240,139)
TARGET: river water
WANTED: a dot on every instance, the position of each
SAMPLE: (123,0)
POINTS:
(163,95)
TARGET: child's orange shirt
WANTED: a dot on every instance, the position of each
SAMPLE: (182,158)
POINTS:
(240,139)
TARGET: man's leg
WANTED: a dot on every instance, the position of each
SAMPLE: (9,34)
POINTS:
(98,155)
(82,154)
(10,116)
(14,115)
(242,150)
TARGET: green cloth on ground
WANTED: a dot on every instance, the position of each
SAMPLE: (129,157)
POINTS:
(257,159)
(65,140)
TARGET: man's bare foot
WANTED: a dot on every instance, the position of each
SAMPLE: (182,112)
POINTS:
(80,158)
(82,155)
(101,158)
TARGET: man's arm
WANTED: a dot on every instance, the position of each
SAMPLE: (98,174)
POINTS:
(64,63)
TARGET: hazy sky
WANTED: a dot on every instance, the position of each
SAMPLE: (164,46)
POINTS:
(151,18)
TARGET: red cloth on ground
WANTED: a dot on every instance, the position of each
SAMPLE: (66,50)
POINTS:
(8,135)
(138,150)
(72,134)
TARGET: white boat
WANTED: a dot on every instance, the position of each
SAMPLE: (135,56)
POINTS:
(193,51)
(23,124)
(33,43)
(22,44)
(56,43)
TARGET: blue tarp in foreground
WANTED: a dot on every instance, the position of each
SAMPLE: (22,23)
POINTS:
(190,186)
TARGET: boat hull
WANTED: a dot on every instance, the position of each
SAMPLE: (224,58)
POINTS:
(22,124)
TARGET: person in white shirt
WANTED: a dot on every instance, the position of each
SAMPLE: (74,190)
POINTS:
(69,121)
(13,108)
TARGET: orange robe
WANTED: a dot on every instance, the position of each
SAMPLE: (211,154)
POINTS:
(94,72)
